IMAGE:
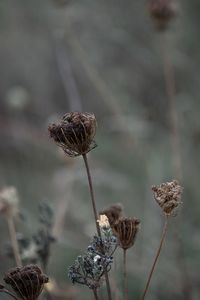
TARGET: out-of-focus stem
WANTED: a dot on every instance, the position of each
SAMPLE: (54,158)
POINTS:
(125,276)
(96,217)
(9,293)
(96,297)
(156,258)
(13,238)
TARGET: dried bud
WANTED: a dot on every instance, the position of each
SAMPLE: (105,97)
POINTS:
(168,196)
(103,221)
(162,11)
(113,213)
(126,230)
(9,201)
(27,281)
(75,133)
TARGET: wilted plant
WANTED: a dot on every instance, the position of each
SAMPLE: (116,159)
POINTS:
(26,282)
(168,196)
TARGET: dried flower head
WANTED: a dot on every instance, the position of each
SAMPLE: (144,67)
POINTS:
(103,221)
(9,201)
(126,230)
(75,133)
(168,196)
(162,11)
(27,281)
(113,213)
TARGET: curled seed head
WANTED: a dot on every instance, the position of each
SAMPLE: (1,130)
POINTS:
(168,196)
(126,230)
(75,133)
(162,11)
(27,282)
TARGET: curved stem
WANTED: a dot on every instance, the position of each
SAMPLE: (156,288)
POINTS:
(13,238)
(156,257)
(9,293)
(96,217)
(125,276)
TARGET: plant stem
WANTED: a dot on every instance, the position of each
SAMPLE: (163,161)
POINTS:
(96,217)
(9,293)
(125,276)
(13,238)
(156,257)
(95,294)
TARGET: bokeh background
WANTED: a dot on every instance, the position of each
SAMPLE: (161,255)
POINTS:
(104,57)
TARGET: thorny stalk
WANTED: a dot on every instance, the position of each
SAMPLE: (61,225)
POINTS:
(96,216)
(13,238)
(125,276)
(156,257)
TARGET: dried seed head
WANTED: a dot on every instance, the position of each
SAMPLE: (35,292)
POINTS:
(113,213)
(27,281)
(168,196)
(126,230)
(75,133)
(162,11)
(9,201)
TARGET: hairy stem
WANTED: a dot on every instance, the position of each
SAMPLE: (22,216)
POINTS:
(125,276)
(156,257)
(13,238)
(96,217)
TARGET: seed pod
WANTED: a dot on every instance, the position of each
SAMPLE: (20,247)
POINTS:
(126,230)
(113,213)
(162,12)
(75,133)
(168,196)
(27,282)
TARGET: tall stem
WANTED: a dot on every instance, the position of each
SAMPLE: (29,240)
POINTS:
(13,238)
(125,276)
(156,257)
(96,297)
(96,217)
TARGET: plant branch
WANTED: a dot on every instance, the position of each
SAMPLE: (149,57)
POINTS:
(96,297)
(96,217)
(13,238)
(156,257)
(125,276)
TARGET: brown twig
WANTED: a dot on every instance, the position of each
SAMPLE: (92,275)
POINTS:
(95,294)
(96,216)
(156,257)
(125,275)
(13,239)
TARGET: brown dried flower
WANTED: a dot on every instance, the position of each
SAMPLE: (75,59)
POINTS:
(162,11)
(113,213)
(168,196)
(75,133)
(27,281)
(126,230)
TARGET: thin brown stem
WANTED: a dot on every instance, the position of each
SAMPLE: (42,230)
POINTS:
(156,257)
(13,239)
(96,297)
(9,293)
(96,217)
(125,276)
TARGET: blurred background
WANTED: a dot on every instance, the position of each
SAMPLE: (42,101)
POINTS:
(104,57)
